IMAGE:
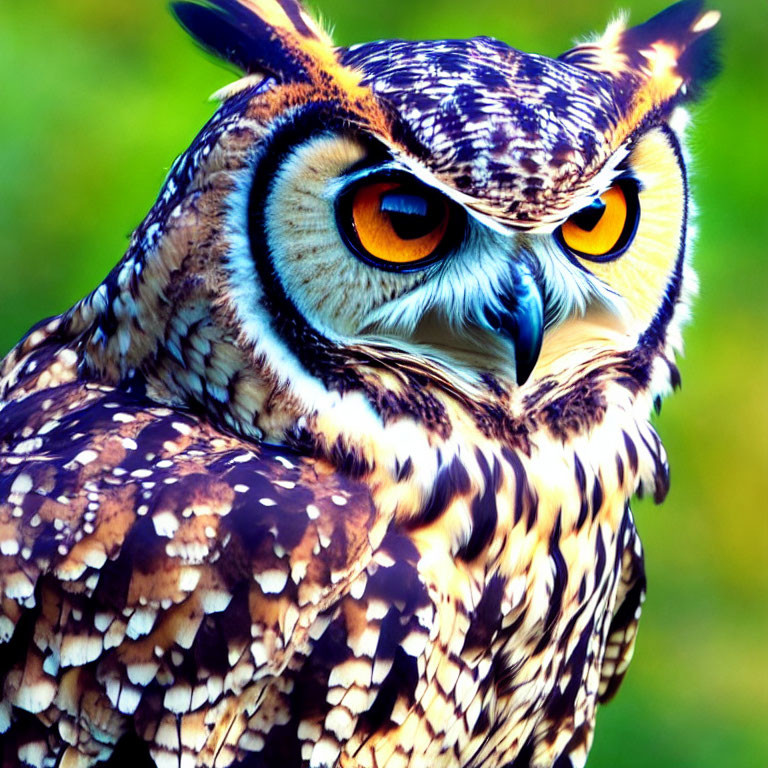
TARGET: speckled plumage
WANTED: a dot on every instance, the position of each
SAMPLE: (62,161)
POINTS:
(262,504)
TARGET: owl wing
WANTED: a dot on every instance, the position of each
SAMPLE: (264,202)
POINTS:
(158,577)
(622,633)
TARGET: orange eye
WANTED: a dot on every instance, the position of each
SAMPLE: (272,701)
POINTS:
(603,230)
(395,224)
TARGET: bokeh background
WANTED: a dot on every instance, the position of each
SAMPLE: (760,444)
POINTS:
(98,97)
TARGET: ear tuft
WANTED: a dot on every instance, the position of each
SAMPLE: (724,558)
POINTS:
(701,61)
(268,37)
(687,30)
(663,62)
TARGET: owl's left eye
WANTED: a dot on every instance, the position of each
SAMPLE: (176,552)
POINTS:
(396,223)
(604,229)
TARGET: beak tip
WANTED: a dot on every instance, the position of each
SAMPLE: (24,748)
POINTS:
(522,375)
(529,322)
(525,360)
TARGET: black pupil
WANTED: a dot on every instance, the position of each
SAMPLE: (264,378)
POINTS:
(588,218)
(412,215)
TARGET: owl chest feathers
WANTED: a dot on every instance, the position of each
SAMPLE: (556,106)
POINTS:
(521,558)
(470,615)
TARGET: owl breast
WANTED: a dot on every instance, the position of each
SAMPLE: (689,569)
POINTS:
(507,643)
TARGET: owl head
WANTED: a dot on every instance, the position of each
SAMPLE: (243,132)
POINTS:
(402,233)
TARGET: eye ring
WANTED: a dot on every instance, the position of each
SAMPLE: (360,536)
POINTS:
(385,211)
(617,235)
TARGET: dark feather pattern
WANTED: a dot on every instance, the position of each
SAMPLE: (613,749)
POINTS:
(699,61)
(233,32)
(186,563)
(686,28)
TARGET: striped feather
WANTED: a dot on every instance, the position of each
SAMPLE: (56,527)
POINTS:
(272,37)
(658,64)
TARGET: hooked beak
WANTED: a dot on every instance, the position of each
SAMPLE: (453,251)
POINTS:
(520,317)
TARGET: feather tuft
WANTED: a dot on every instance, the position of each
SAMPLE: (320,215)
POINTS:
(663,62)
(272,37)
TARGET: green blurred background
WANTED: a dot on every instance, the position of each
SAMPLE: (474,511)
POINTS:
(99,96)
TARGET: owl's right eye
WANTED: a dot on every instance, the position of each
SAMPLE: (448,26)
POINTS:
(603,230)
(396,223)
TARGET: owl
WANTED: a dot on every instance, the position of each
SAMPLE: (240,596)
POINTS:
(334,467)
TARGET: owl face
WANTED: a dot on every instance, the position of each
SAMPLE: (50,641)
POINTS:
(368,247)
(459,207)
